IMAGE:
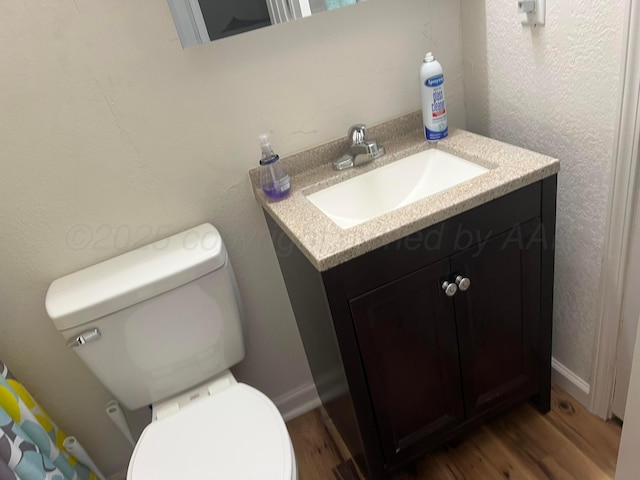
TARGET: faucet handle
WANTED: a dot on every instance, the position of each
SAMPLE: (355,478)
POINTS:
(356,133)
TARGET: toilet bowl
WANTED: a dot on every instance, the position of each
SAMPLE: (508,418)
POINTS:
(236,433)
(160,326)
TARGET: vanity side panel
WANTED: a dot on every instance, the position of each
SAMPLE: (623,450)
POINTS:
(315,319)
(548,210)
(358,385)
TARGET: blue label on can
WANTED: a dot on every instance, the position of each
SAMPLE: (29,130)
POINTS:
(435,81)
(433,135)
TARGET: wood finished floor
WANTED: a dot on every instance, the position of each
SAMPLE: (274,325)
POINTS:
(566,443)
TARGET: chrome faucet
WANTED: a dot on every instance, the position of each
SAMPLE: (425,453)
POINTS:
(361,151)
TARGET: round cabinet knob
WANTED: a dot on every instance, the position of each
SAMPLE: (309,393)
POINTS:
(463,283)
(450,289)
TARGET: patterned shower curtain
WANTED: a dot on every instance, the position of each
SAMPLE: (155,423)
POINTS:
(30,443)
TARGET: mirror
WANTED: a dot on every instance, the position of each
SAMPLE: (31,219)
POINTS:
(202,21)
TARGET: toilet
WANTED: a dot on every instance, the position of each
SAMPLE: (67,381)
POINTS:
(161,326)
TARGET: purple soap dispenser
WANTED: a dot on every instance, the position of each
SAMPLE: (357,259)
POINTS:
(274,178)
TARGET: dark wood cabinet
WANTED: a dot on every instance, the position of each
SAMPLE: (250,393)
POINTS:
(402,367)
(498,317)
(407,337)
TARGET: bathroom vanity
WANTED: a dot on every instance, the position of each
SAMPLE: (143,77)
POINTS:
(425,321)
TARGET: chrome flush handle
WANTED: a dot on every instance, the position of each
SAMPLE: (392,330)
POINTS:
(84,337)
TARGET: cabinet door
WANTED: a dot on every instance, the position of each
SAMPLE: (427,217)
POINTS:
(498,317)
(407,338)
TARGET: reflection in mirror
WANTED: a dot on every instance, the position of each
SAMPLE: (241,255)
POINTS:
(202,21)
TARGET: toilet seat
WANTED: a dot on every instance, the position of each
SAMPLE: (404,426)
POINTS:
(237,433)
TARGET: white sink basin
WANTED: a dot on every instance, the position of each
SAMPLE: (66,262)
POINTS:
(392,186)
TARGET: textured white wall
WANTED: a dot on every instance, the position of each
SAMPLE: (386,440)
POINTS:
(555,89)
(112,136)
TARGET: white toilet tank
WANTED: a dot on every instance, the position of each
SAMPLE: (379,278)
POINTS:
(155,321)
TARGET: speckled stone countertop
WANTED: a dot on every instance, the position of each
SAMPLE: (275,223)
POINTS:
(326,245)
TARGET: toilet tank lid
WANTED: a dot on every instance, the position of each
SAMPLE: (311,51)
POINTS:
(134,276)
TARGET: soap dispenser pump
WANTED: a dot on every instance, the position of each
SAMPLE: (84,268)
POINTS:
(274,179)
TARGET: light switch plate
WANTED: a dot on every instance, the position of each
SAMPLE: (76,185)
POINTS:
(536,17)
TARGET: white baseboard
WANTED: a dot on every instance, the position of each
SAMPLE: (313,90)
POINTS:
(570,382)
(298,401)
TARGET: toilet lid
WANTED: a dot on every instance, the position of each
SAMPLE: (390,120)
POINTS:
(237,434)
